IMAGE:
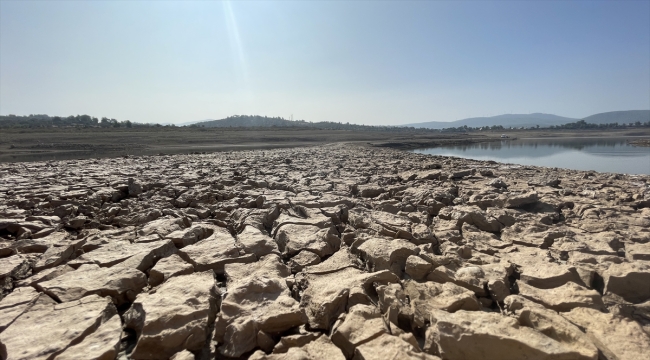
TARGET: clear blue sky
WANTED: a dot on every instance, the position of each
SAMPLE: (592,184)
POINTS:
(362,62)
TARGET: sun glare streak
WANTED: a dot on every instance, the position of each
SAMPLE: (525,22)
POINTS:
(237,49)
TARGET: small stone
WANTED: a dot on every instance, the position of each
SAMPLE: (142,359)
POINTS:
(167,268)
(417,268)
(498,183)
(303,259)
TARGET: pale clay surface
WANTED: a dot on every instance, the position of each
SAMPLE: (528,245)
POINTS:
(335,251)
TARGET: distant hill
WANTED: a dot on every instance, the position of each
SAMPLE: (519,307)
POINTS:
(265,121)
(543,120)
(250,121)
(507,120)
(621,117)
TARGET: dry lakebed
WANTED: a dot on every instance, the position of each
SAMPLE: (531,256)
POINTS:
(333,251)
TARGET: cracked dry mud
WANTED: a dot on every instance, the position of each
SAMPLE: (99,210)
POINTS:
(327,252)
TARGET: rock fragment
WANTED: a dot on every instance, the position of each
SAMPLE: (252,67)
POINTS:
(381,254)
(258,300)
(319,348)
(254,241)
(169,267)
(417,268)
(121,284)
(427,296)
(515,201)
(176,317)
(481,335)
(104,343)
(48,330)
(214,252)
(325,296)
(15,304)
(362,323)
(563,298)
(631,281)
(616,337)
(12,268)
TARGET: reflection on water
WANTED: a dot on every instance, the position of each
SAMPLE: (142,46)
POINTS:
(599,154)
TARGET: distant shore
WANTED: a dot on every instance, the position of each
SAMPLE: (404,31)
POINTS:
(640,142)
(77,143)
(641,137)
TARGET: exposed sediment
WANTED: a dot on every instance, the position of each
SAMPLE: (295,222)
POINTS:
(333,252)
(406,143)
(640,142)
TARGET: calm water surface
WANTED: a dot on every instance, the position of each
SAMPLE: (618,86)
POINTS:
(603,155)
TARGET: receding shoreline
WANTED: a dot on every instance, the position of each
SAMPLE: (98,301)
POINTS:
(640,142)
(81,143)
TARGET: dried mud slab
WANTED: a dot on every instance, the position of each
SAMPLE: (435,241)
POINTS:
(334,251)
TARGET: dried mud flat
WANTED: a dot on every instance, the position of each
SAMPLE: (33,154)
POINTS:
(326,252)
(640,142)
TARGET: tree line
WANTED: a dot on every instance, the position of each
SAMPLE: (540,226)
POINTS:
(46,121)
(243,121)
(258,121)
(578,125)
(581,124)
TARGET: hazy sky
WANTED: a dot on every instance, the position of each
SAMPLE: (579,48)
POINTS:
(362,62)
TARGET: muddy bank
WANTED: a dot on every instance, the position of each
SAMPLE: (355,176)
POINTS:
(18,145)
(640,142)
(410,144)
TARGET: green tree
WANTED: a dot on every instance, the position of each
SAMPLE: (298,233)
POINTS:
(85,119)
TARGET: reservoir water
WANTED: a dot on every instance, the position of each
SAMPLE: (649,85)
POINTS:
(598,154)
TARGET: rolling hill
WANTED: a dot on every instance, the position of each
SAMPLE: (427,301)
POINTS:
(621,117)
(249,121)
(507,120)
(265,121)
(543,120)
